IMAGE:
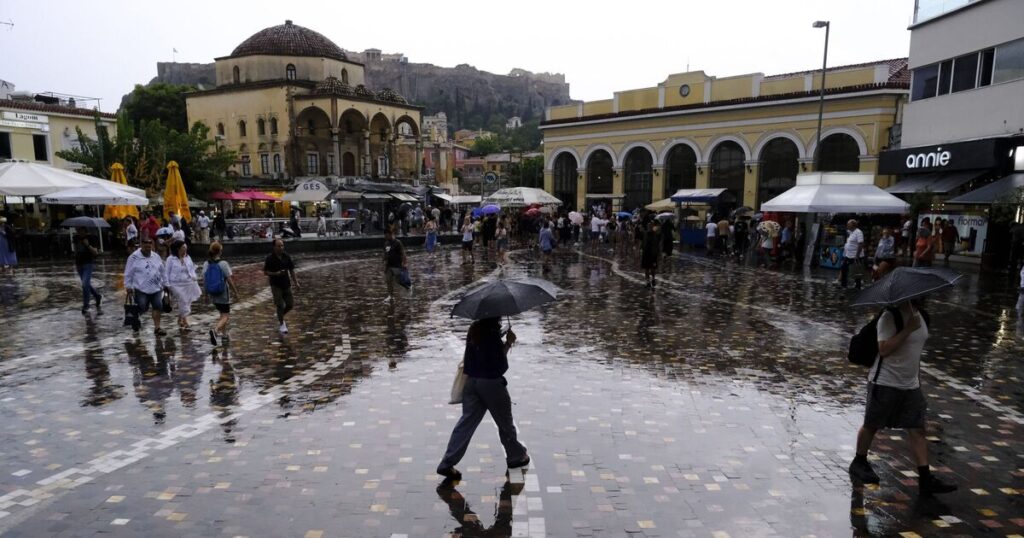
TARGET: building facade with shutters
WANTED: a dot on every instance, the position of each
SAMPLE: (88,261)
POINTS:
(751,134)
(292,104)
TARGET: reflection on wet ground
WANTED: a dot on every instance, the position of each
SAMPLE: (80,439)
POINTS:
(720,404)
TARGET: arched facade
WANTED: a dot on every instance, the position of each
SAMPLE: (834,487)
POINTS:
(680,169)
(600,147)
(566,180)
(313,141)
(779,164)
(381,150)
(639,170)
(600,167)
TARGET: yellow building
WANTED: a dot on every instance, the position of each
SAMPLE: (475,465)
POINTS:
(291,103)
(750,134)
(35,131)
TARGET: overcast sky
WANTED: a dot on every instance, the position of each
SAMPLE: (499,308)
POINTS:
(102,48)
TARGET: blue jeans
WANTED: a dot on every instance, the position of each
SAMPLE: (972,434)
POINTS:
(85,275)
(481,396)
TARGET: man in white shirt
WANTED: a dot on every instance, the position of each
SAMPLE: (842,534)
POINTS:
(204,227)
(597,225)
(712,236)
(131,232)
(852,251)
(144,276)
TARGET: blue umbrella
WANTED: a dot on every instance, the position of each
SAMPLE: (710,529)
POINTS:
(490,209)
(624,215)
(476,212)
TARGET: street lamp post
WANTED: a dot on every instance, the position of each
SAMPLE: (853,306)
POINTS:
(821,97)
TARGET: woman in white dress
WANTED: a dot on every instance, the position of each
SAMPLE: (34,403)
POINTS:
(180,275)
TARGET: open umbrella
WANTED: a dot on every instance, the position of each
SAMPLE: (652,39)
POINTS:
(505,298)
(119,211)
(666,216)
(575,217)
(175,198)
(490,209)
(95,194)
(742,211)
(906,283)
(86,222)
(623,215)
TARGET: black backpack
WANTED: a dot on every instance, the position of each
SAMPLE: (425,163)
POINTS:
(864,345)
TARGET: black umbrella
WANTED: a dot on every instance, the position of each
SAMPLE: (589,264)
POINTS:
(505,298)
(904,284)
(742,211)
(84,222)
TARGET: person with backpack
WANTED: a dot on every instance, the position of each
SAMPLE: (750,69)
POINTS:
(894,395)
(218,288)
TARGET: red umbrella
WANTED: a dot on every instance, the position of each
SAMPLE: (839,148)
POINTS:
(260,196)
(221,195)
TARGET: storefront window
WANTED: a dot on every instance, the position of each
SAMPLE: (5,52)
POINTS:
(39,143)
(1009,62)
(5,146)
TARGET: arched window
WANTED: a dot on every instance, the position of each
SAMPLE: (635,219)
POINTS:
(220,129)
(261,127)
(236,76)
(639,180)
(277,163)
(241,128)
(599,173)
(839,153)
(680,169)
(779,167)
(344,76)
(566,180)
(289,72)
(727,168)
(273,126)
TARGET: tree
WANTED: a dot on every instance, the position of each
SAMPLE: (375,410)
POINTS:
(145,152)
(487,145)
(527,173)
(160,101)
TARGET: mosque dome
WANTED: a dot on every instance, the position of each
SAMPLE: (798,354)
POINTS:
(289,39)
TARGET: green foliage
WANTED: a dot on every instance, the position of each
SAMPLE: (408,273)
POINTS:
(485,145)
(160,101)
(146,151)
(526,138)
(527,173)
(1008,206)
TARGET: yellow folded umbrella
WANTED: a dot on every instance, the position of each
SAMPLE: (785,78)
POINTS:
(119,211)
(175,198)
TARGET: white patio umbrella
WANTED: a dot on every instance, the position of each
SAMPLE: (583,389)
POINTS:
(94,194)
(20,178)
(520,197)
(835,192)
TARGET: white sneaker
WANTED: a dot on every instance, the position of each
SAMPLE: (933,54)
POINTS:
(283,328)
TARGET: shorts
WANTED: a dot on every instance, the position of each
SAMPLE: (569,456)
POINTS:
(467,245)
(145,301)
(223,308)
(595,235)
(502,244)
(546,251)
(889,407)
(283,298)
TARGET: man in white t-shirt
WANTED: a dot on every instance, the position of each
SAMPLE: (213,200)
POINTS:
(204,227)
(852,252)
(895,399)
(712,230)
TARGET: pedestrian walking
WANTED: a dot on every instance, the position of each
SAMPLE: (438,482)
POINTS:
(204,227)
(85,263)
(950,238)
(924,251)
(852,251)
(280,271)
(894,395)
(321,225)
(502,238)
(144,277)
(220,226)
(668,239)
(650,250)
(131,233)
(546,239)
(394,261)
(467,242)
(885,253)
(181,281)
(712,236)
(485,362)
(8,256)
(218,288)
(430,229)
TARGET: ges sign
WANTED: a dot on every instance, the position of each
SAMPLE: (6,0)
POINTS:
(939,157)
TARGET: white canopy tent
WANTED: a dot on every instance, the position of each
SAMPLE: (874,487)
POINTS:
(20,178)
(308,191)
(835,192)
(94,194)
(520,197)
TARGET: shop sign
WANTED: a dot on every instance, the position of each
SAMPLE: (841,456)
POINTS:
(26,116)
(25,125)
(973,229)
(974,155)
(312,186)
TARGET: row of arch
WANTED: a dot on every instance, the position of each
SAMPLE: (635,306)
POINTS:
(364,146)
(289,74)
(778,158)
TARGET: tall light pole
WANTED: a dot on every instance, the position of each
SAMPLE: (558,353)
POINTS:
(821,98)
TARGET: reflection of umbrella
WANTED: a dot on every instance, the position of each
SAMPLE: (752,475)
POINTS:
(490,209)
(119,211)
(575,217)
(906,283)
(175,198)
(666,216)
(741,211)
(505,298)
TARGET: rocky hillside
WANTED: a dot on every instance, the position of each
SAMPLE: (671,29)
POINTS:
(471,98)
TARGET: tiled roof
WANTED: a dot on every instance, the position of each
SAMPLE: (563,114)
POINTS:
(56,109)
(332,86)
(733,102)
(289,40)
(895,65)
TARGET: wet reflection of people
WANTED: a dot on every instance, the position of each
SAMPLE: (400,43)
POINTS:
(102,390)
(151,378)
(469,523)
(395,338)
(224,392)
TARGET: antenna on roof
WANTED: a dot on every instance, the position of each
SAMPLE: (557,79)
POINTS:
(687,64)
(9,23)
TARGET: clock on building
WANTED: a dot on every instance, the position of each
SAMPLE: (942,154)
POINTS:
(684,90)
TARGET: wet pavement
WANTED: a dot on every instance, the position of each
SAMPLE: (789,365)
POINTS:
(720,404)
